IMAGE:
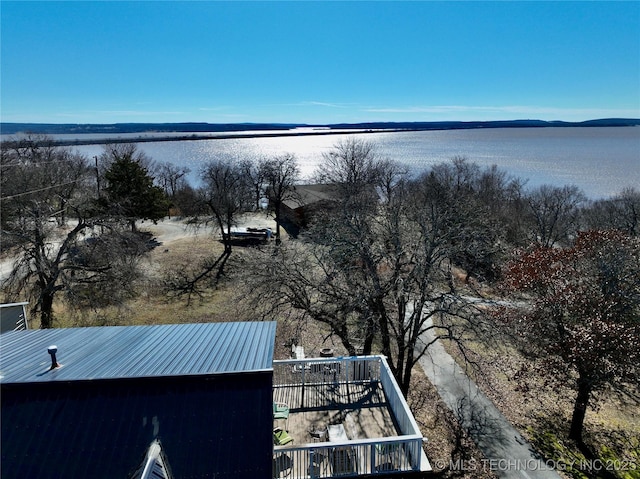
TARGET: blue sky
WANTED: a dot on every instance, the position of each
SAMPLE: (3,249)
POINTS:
(318,62)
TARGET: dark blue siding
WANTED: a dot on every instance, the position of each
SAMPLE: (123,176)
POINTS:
(102,429)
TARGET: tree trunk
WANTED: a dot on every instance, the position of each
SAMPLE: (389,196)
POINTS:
(226,241)
(277,219)
(580,409)
(344,336)
(62,219)
(367,346)
(46,311)
(385,335)
(408,367)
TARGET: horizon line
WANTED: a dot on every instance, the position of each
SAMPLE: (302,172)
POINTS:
(295,123)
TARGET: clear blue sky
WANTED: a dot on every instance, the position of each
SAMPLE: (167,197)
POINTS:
(318,62)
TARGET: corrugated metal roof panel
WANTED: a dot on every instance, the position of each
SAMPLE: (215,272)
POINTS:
(136,351)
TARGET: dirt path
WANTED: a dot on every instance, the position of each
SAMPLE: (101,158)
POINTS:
(507,453)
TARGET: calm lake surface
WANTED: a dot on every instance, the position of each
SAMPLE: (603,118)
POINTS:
(600,161)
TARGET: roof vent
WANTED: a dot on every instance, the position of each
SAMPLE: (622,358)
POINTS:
(52,350)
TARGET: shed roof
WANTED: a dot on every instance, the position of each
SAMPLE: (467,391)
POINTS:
(118,352)
(304,195)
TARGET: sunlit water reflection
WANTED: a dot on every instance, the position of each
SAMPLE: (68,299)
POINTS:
(601,161)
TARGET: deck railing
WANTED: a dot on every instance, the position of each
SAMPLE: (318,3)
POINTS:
(354,457)
(397,403)
(350,458)
(325,372)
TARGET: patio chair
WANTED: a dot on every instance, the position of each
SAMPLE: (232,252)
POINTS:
(389,454)
(282,466)
(317,433)
(344,461)
(281,411)
(281,437)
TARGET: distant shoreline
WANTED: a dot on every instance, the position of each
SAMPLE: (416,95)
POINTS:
(208,131)
(193,137)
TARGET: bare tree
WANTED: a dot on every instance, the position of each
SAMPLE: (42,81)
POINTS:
(481,205)
(280,174)
(375,269)
(42,183)
(227,194)
(189,202)
(352,165)
(378,282)
(171,178)
(254,176)
(621,212)
(555,213)
(33,162)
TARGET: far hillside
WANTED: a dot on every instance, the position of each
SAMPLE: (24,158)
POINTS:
(201,127)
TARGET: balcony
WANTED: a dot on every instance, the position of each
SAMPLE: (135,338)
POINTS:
(347,418)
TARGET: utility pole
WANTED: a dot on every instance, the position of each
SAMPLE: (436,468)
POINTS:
(97,175)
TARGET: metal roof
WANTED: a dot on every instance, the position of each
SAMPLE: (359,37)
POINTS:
(117,352)
(308,194)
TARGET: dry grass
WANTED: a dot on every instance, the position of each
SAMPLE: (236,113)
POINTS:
(153,306)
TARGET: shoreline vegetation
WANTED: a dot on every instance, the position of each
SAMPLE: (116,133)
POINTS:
(222,131)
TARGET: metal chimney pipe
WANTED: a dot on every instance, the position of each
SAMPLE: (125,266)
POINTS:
(52,350)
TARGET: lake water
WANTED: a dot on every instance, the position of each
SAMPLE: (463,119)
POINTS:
(600,161)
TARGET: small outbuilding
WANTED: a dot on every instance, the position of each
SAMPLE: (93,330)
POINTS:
(180,401)
(305,201)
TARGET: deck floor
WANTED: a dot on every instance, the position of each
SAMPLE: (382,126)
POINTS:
(361,408)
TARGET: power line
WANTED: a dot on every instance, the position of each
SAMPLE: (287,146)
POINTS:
(38,190)
(39,163)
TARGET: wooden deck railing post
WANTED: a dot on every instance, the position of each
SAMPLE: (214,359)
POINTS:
(346,378)
(303,366)
(372,451)
(312,462)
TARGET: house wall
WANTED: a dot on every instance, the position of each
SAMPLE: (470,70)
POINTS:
(209,426)
(294,220)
